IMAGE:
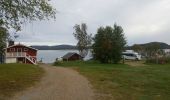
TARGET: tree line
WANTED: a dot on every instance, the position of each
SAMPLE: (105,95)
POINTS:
(107,45)
(109,42)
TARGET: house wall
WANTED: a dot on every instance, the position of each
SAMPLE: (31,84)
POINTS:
(11,60)
(29,51)
(18,60)
(73,58)
(22,49)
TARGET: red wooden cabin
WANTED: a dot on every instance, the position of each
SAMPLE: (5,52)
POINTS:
(20,54)
(72,56)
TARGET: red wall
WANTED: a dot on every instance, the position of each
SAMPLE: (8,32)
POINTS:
(73,58)
(21,48)
(29,51)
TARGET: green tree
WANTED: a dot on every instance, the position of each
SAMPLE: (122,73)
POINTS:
(108,44)
(4,35)
(152,50)
(138,48)
(15,12)
(84,39)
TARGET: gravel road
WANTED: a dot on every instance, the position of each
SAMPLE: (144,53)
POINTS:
(58,84)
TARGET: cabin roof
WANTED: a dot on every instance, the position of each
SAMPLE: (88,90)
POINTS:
(68,55)
(21,45)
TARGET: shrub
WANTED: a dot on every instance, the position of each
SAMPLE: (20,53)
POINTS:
(57,61)
(168,59)
(162,60)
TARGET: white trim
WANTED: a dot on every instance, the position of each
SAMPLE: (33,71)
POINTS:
(12,50)
(19,50)
(25,49)
(21,45)
(17,55)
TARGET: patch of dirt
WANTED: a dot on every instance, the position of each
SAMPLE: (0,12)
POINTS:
(59,84)
(135,63)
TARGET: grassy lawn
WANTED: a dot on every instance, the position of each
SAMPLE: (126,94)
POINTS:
(123,82)
(16,77)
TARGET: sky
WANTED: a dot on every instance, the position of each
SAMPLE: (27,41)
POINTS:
(143,21)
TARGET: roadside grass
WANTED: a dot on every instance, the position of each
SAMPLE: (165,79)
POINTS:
(17,77)
(124,82)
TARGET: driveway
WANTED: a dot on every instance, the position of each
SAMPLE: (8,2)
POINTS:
(58,83)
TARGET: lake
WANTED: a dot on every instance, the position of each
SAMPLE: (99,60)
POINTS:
(49,56)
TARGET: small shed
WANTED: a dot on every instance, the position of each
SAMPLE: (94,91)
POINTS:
(72,56)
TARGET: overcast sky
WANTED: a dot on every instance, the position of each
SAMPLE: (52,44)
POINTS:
(142,20)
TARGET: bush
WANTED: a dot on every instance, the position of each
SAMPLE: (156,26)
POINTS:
(168,59)
(57,61)
(162,60)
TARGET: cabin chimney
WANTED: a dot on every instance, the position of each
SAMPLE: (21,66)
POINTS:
(10,43)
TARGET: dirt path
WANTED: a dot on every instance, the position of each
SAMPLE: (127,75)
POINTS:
(59,84)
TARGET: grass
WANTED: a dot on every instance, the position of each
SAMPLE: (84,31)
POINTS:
(17,77)
(124,82)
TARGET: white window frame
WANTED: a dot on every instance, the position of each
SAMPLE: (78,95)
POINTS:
(12,50)
(25,49)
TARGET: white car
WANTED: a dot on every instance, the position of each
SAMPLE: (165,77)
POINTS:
(131,56)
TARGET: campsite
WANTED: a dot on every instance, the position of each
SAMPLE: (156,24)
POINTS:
(84,50)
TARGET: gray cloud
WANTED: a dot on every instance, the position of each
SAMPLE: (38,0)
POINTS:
(142,20)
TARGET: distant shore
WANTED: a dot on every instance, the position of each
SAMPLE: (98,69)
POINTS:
(74,47)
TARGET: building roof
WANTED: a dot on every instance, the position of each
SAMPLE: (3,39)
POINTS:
(68,55)
(21,45)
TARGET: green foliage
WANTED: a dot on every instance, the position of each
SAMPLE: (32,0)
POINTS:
(152,50)
(138,48)
(155,54)
(161,60)
(57,62)
(84,39)
(3,38)
(14,12)
(108,44)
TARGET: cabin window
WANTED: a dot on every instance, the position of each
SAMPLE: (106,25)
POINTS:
(25,49)
(12,49)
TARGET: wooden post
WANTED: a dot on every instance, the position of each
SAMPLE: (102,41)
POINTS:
(25,61)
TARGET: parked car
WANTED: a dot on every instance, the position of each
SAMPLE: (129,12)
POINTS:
(131,56)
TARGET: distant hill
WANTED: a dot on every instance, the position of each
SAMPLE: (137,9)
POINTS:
(57,47)
(73,47)
(162,45)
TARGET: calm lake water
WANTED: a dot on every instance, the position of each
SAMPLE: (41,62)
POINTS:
(49,56)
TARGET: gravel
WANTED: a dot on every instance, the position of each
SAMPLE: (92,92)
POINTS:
(58,83)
